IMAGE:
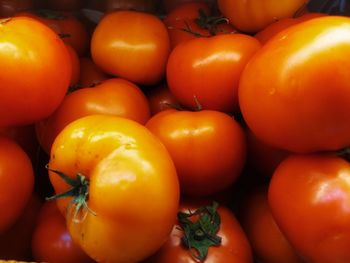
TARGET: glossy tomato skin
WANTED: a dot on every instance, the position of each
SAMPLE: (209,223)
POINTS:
(45,71)
(131,45)
(209,69)
(267,241)
(16,182)
(115,96)
(252,16)
(208,148)
(51,241)
(133,187)
(234,248)
(75,65)
(309,112)
(309,199)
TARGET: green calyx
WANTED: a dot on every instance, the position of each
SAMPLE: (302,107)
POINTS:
(200,234)
(79,192)
(210,22)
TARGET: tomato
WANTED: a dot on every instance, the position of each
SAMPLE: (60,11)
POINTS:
(207,147)
(263,158)
(16,182)
(129,184)
(66,25)
(15,243)
(90,73)
(296,111)
(44,71)
(209,69)
(233,246)
(75,65)
(252,16)
(11,7)
(268,243)
(113,97)
(268,32)
(309,196)
(51,241)
(160,98)
(194,19)
(132,45)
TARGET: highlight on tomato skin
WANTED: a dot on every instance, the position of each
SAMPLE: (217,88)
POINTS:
(126,187)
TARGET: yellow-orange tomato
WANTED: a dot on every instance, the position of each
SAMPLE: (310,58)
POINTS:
(131,45)
(35,71)
(208,148)
(115,96)
(252,16)
(294,93)
(128,181)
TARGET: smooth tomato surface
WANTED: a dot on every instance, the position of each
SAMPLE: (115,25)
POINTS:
(208,148)
(252,16)
(303,104)
(133,190)
(35,66)
(132,45)
(16,182)
(209,69)
(115,96)
(309,196)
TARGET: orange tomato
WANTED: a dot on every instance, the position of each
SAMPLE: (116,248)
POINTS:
(208,148)
(160,98)
(252,16)
(132,45)
(209,70)
(35,71)
(90,73)
(75,65)
(129,192)
(305,106)
(116,96)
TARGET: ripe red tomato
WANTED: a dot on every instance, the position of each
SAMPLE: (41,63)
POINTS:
(119,168)
(51,241)
(252,16)
(233,246)
(267,241)
(15,243)
(209,69)
(34,75)
(305,106)
(75,65)
(207,147)
(16,182)
(168,5)
(309,196)
(149,6)
(115,96)
(132,45)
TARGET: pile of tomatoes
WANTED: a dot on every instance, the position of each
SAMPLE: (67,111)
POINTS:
(174,131)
